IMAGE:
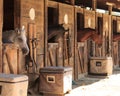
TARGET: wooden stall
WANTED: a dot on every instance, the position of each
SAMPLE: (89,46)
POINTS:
(67,49)
(59,34)
(58,9)
(99,28)
(85,21)
(30,14)
(118,30)
(80,47)
(68,17)
(116,38)
(51,21)
(32,17)
(105,47)
(60,51)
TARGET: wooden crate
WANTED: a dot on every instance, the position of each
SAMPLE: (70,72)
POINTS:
(101,66)
(13,85)
(55,80)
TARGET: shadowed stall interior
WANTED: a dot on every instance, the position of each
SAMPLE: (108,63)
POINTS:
(100,27)
(116,35)
(63,1)
(8,18)
(52,22)
(80,22)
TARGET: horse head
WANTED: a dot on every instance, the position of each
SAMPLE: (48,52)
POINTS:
(21,40)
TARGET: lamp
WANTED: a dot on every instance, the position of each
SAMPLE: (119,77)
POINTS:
(106,26)
(89,22)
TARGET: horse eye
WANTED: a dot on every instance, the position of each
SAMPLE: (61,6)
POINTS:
(20,39)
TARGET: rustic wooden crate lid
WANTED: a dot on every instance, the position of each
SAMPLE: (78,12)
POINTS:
(56,69)
(12,78)
(100,58)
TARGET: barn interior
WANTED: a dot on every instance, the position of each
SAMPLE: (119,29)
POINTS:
(81,35)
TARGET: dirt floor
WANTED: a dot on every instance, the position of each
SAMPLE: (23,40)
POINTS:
(95,86)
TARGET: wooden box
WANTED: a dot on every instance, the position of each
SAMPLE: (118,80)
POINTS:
(101,66)
(13,85)
(55,80)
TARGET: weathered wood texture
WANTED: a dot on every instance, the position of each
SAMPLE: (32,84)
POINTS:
(115,53)
(99,28)
(70,26)
(52,54)
(79,25)
(89,19)
(17,13)
(105,47)
(116,37)
(101,65)
(64,54)
(12,59)
(18,84)
(118,24)
(58,74)
(38,7)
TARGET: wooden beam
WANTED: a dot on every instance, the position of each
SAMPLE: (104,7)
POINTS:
(94,4)
(46,31)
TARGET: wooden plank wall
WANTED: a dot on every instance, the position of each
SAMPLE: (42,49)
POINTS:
(115,46)
(118,30)
(118,24)
(68,10)
(61,60)
(105,35)
(79,48)
(99,28)
(11,59)
(38,6)
(52,54)
(89,19)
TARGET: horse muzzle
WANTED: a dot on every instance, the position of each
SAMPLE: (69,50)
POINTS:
(25,51)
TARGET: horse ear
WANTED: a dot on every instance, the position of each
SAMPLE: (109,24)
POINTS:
(23,29)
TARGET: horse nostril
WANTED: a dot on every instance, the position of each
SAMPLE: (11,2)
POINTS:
(25,51)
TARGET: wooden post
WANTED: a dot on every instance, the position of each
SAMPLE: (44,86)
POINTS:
(110,9)
(46,31)
(72,2)
(94,4)
(17,13)
(110,29)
